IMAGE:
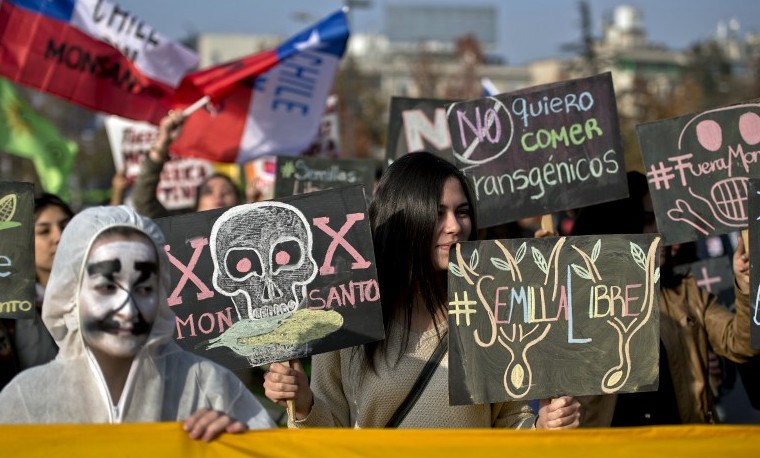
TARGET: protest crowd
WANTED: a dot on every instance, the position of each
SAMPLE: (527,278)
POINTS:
(520,278)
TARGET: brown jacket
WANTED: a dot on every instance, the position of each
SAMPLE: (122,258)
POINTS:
(691,322)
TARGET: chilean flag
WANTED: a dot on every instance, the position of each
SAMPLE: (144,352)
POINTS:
(93,53)
(488,88)
(268,103)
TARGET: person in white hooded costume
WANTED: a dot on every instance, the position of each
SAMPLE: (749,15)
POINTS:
(142,375)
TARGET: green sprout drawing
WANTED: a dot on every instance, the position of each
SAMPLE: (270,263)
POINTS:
(8,211)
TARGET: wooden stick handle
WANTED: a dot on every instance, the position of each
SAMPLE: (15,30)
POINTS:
(291,403)
(745,239)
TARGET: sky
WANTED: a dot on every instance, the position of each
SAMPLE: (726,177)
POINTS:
(526,29)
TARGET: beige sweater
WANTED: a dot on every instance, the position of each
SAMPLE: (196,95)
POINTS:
(348,395)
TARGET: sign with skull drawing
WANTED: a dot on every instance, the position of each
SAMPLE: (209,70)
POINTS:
(275,280)
(698,167)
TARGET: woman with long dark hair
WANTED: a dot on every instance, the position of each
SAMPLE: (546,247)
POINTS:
(422,207)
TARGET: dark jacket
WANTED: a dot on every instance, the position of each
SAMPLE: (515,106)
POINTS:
(691,322)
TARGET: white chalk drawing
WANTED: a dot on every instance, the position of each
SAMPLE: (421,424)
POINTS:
(756,315)
(8,211)
(262,257)
(488,128)
(726,203)
(617,376)
(518,338)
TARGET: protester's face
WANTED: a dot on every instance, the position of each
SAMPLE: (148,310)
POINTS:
(217,193)
(48,227)
(118,299)
(453,224)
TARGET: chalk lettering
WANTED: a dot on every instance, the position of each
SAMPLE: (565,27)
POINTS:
(5,261)
(687,167)
(332,173)
(417,128)
(486,127)
(206,323)
(344,295)
(577,103)
(552,174)
(338,238)
(15,306)
(187,272)
(545,138)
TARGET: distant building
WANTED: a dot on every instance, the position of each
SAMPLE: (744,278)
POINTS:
(409,25)
(635,63)
(437,51)
(214,49)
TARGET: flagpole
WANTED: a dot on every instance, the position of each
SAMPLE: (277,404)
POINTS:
(200,103)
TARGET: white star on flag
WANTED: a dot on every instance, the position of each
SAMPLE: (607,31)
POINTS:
(312,42)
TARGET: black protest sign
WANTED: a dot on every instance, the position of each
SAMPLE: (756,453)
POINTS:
(715,275)
(754,260)
(275,280)
(418,125)
(17,274)
(697,168)
(539,318)
(541,149)
(299,175)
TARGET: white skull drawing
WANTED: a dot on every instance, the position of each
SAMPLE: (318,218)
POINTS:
(262,253)
(710,136)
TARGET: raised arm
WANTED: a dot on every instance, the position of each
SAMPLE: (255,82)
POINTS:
(144,190)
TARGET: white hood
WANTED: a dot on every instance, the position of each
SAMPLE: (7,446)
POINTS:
(61,310)
(166,383)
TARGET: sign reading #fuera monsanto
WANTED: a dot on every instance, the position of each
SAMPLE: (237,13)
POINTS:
(698,168)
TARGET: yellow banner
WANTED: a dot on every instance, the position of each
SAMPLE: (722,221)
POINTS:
(168,439)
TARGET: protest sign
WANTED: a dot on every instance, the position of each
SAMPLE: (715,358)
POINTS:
(716,275)
(697,167)
(299,175)
(17,274)
(259,178)
(275,280)
(540,318)
(754,260)
(418,125)
(327,141)
(540,150)
(130,142)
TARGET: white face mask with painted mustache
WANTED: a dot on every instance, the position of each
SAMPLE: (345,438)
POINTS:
(118,298)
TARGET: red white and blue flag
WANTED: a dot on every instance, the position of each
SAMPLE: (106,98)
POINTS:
(93,53)
(268,103)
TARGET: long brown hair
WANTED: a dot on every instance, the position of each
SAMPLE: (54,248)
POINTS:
(403,214)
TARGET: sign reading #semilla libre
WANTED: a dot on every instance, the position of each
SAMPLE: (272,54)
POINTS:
(540,318)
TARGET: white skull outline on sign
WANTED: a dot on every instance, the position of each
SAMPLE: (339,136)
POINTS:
(262,253)
(704,138)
